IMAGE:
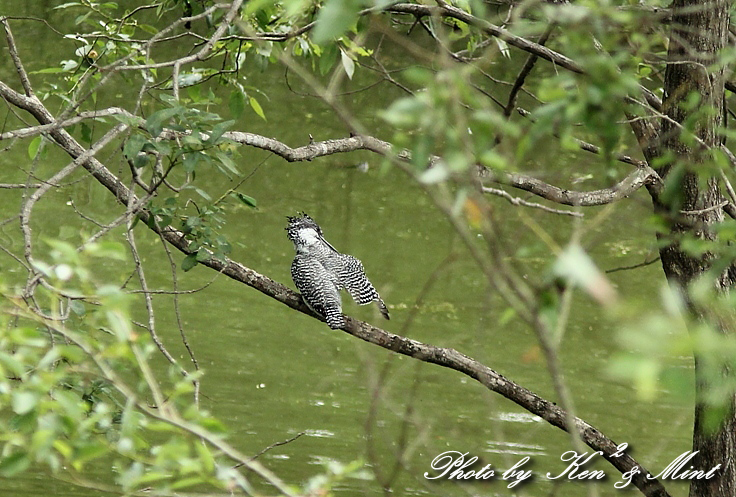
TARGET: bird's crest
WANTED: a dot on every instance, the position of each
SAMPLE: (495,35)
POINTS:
(301,221)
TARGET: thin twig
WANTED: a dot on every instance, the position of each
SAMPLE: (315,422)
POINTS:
(524,72)
(272,446)
(130,237)
(13,50)
(177,313)
(15,186)
(519,201)
(201,54)
(697,212)
(635,266)
(177,292)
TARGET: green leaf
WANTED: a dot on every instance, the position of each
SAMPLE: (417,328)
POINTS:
(82,18)
(189,262)
(66,5)
(249,201)
(503,48)
(186,482)
(405,112)
(136,220)
(227,163)
(202,193)
(153,476)
(190,161)
(190,78)
(205,455)
(77,307)
(88,452)
(218,130)
(328,58)
(335,18)
(347,64)
(133,146)
(23,402)
(155,122)
(148,28)
(506,316)
(34,146)
(576,266)
(256,107)
(132,121)
(10,362)
(86,133)
(14,464)
(237,103)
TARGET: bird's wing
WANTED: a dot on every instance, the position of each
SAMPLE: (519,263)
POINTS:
(319,289)
(352,277)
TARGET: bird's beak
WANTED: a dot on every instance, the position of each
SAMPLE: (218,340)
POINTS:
(326,242)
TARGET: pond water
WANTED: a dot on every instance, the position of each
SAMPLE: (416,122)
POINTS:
(273,373)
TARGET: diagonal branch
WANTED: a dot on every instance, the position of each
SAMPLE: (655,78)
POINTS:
(491,29)
(445,357)
(525,71)
(40,129)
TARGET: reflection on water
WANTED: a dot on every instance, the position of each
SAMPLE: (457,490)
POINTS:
(515,449)
(518,417)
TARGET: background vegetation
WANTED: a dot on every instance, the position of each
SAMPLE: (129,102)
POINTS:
(488,161)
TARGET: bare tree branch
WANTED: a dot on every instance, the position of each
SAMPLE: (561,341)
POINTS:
(635,266)
(40,129)
(524,72)
(622,189)
(519,201)
(644,175)
(151,327)
(16,186)
(641,177)
(274,445)
(490,29)
(177,313)
(13,50)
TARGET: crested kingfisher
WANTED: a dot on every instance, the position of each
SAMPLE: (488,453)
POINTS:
(320,272)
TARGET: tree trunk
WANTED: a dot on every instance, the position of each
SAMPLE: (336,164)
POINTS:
(698,35)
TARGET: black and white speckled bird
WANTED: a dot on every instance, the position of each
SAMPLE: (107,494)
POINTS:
(320,272)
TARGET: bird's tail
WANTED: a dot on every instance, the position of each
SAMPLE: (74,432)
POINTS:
(383,308)
(335,320)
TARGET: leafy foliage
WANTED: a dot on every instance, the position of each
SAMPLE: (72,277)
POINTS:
(86,400)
